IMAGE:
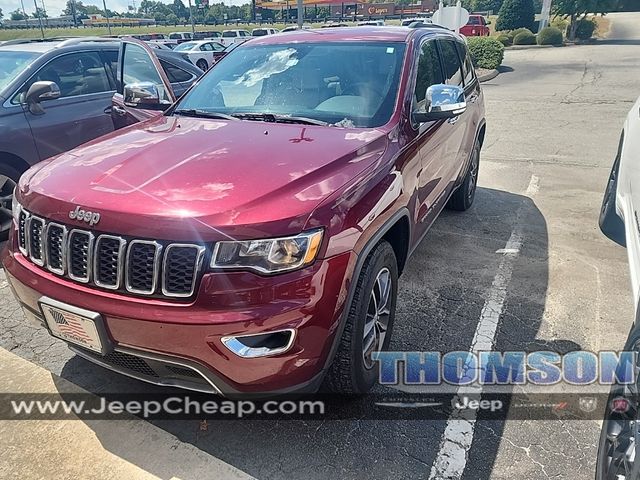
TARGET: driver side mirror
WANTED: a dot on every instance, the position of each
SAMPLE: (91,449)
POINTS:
(143,95)
(39,92)
(441,102)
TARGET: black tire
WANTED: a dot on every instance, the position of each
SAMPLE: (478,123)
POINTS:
(462,198)
(9,177)
(617,441)
(202,65)
(349,372)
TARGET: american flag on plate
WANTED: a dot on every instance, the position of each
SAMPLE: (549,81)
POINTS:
(69,325)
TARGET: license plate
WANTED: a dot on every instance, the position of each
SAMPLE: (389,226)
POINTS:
(73,324)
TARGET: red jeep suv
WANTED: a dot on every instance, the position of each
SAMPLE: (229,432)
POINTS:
(249,239)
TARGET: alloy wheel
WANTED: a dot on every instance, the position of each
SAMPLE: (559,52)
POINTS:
(7,185)
(377,319)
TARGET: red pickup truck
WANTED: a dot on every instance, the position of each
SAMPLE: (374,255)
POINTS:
(249,238)
(477,26)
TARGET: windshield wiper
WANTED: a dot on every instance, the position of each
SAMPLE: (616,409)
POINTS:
(194,112)
(275,118)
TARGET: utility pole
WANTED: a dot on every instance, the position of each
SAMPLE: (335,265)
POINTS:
(39,13)
(300,14)
(193,25)
(26,18)
(545,14)
(106,14)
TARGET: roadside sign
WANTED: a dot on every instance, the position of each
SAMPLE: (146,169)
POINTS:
(448,17)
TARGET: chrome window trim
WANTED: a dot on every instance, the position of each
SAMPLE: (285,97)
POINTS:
(156,267)
(196,268)
(119,265)
(70,235)
(24,251)
(64,248)
(43,244)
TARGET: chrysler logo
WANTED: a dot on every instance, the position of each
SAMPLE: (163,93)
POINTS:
(91,218)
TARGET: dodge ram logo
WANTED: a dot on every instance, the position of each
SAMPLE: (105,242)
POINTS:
(91,218)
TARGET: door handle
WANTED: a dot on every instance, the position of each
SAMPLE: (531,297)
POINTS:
(107,111)
(454,120)
(119,111)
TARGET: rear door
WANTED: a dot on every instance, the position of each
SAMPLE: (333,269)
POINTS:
(138,64)
(82,111)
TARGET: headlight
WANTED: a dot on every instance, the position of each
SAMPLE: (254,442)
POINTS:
(15,207)
(268,256)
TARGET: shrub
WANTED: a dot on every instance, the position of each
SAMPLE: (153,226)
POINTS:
(515,32)
(505,40)
(524,38)
(486,52)
(515,14)
(550,36)
(585,29)
(560,23)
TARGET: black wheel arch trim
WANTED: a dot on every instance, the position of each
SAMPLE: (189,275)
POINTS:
(611,225)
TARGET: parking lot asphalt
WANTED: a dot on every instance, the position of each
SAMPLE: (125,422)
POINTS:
(554,118)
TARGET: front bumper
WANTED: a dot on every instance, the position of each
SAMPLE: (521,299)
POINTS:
(188,335)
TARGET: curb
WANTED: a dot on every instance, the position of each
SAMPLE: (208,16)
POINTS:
(527,47)
(488,76)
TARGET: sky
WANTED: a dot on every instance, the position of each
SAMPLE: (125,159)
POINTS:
(55,7)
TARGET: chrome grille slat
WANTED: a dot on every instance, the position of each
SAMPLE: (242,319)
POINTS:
(36,240)
(179,269)
(135,266)
(56,252)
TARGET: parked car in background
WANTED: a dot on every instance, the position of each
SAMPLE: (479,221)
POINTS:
(200,52)
(234,36)
(180,37)
(261,32)
(619,221)
(217,56)
(56,95)
(334,25)
(477,26)
(408,21)
(206,35)
(250,239)
(160,45)
(293,28)
(371,23)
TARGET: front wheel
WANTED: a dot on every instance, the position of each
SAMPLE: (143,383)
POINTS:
(368,326)
(9,177)
(462,198)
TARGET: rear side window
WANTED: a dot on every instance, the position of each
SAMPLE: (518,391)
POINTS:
(429,73)
(467,65)
(175,74)
(450,62)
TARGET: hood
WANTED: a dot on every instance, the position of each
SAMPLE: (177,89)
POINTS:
(171,176)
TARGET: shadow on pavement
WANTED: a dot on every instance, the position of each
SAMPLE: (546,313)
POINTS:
(441,295)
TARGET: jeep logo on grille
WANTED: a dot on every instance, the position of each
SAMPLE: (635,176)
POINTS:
(91,218)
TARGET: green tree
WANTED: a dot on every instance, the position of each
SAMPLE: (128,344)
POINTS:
(17,15)
(178,8)
(39,13)
(172,19)
(516,14)
(576,10)
(93,10)
(1,14)
(487,5)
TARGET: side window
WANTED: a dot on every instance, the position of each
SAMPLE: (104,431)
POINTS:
(467,65)
(429,73)
(81,73)
(451,62)
(175,74)
(111,57)
(206,47)
(138,67)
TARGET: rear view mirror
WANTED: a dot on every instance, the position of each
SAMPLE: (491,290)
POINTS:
(40,92)
(442,102)
(143,95)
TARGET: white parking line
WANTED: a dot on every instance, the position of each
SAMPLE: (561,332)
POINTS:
(458,434)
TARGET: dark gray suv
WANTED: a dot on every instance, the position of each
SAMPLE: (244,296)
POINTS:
(56,95)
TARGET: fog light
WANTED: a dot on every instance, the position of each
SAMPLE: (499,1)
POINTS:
(260,345)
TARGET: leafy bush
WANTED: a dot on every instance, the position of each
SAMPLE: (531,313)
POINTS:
(560,23)
(515,32)
(524,38)
(505,40)
(550,36)
(515,14)
(585,29)
(486,52)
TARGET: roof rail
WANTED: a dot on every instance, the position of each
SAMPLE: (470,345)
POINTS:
(75,41)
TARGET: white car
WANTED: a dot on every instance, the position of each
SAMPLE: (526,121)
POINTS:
(261,32)
(200,52)
(180,36)
(234,36)
(619,219)
(408,21)
(293,28)
(371,23)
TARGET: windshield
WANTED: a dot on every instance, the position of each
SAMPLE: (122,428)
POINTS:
(12,64)
(184,46)
(342,84)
